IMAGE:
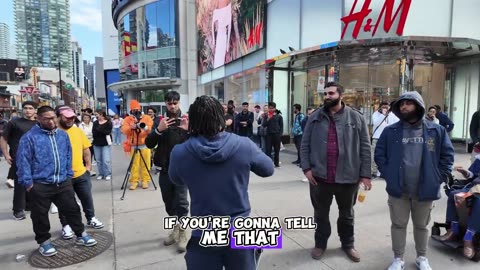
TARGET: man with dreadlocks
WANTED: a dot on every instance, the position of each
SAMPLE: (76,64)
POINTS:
(171,130)
(215,166)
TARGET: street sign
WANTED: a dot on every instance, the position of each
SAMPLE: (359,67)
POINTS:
(29,90)
(68,86)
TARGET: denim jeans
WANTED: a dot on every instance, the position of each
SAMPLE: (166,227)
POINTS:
(117,136)
(103,156)
(473,222)
(82,186)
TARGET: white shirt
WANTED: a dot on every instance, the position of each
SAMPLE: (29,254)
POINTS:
(377,121)
(256,116)
(87,129)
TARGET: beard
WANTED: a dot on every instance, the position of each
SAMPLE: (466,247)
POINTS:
(409,116)
(330,103)
(64,125)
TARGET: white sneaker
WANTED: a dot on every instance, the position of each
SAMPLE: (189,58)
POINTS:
(53,209)
(109,177)
(93,173)
(305,180)
(99,177)
(422,263)
(67,232)
(94,163)
(10,183)
(95,223)
(397,264)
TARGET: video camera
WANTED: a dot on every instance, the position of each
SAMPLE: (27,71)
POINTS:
(138,115)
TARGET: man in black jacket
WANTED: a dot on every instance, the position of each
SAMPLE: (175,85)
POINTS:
(475,131)
(273,121)
(244,122)
(171,130)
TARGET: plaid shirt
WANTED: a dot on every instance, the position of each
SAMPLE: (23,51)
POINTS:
(332,152)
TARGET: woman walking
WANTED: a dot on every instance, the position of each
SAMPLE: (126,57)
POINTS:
(102,141)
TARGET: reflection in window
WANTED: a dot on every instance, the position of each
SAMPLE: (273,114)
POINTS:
(148,44)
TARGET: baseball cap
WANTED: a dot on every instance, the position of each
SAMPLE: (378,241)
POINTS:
(66,111)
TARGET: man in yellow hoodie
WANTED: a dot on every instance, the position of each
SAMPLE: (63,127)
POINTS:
(137,126)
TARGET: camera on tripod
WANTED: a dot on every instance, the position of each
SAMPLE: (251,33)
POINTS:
(138,116)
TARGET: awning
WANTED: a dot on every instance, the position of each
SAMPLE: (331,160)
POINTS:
(145,84)
(435,49)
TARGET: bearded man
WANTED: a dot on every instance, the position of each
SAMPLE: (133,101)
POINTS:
(335,158)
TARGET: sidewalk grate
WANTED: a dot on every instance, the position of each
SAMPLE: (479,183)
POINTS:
(69,253)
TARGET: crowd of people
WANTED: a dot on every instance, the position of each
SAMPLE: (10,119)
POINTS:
(210,152)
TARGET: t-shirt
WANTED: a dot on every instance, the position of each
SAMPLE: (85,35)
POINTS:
(79,142)
(14,130)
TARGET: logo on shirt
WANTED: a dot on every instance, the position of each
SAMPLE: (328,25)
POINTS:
(412,140)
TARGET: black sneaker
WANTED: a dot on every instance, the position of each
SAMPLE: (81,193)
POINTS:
(296,162)
(19,215)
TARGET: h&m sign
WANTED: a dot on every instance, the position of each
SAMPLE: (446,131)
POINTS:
(366,22)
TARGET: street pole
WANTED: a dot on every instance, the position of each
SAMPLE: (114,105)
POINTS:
(60,80)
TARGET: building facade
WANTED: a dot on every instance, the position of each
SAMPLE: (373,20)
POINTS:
(89,71)
(376,49)
(4,41)
(42,29)
(77,61)
(156,51)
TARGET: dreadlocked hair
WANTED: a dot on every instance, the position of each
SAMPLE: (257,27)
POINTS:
(206,117)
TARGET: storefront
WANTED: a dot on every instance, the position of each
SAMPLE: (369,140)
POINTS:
(376,49)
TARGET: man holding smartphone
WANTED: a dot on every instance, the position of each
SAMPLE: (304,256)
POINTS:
(171,130)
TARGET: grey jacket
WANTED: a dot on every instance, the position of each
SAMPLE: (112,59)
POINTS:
(354,159)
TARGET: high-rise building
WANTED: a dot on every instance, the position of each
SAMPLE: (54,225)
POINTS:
(77,61)
(42,29)
(4,41)
(89,71)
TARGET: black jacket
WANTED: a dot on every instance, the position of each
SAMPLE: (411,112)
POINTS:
(100,133)
(165,142)
(274,125)
(246,131)
(475,127)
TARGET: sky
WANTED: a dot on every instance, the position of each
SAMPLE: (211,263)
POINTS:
(86,25)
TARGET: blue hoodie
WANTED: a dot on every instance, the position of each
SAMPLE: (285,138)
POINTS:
(217,173)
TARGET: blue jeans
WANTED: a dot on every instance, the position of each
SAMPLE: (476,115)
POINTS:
(103,156)
(473,220)
(117,136)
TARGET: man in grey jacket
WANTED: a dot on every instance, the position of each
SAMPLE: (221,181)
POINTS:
(335,157)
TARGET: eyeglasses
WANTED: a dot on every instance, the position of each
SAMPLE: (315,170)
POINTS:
(330,93)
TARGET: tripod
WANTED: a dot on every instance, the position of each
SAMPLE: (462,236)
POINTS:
(129,169)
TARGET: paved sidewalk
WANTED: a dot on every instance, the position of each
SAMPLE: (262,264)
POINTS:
(137,223)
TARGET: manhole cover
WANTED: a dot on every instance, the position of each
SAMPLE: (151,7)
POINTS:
(69,253)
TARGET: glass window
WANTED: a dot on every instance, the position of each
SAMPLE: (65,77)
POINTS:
(148,44)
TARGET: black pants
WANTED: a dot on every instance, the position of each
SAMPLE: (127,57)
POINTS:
(93,153)
(273,140)
(298,142)
(83,188)
(63,196)
(321,196)
(21,198)
(174,196)
(215,258)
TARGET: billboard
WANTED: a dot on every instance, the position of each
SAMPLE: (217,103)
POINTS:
(228,30)
(113,98)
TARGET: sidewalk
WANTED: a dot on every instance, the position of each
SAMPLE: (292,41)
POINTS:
(137,225)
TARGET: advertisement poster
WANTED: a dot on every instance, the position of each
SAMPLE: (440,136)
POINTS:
(113,98)
(228,30)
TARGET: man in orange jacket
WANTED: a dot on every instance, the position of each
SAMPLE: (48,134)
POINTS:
(137,126)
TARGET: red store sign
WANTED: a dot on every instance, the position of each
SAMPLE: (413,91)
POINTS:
(386,13)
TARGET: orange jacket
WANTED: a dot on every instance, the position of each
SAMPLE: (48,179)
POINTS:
(131,133)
